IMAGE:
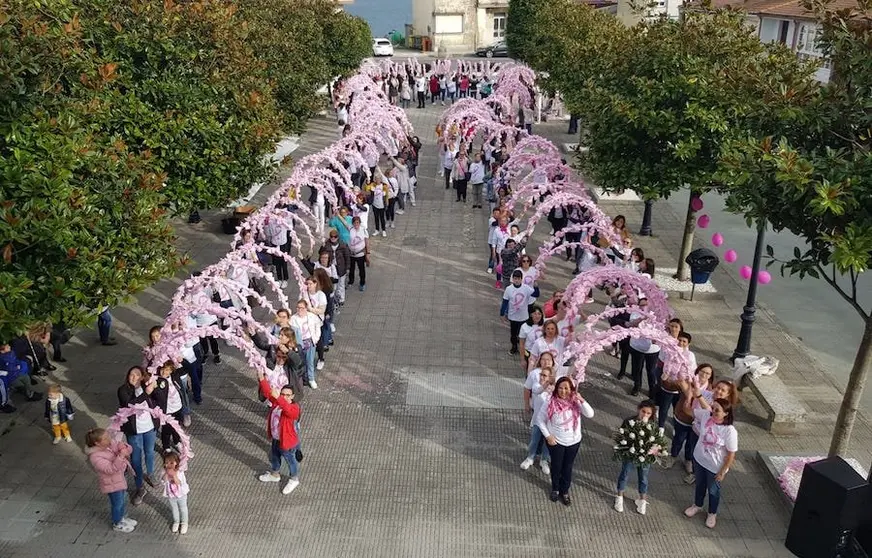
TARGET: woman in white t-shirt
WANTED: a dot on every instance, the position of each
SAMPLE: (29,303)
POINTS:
(714,453)
(358,245)
(531,330)
(537,390)
(560,422)
(307,329)
(550,342)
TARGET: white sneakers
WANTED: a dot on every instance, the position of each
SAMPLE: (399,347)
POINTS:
(333,327)
(525,464)
(619,504)
(711,520)
(283,284)
(313,384)
(392,225)
(183,529)
(123,527)
(641,506)
(269,476)
(56,441)
(175,528)
(546,468)
(384,233)
(692,511)
(320,365)
(490,270)
(129,521)
(290,486)
(399,212)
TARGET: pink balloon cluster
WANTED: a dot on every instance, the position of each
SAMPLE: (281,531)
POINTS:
(730,256)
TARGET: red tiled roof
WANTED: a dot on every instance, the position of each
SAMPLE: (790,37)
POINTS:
(784,8)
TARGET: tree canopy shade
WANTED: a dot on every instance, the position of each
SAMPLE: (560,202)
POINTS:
(115,116)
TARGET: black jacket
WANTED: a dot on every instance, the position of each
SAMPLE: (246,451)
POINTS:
(65,409)
(162,390)
(342,257)
(127,396)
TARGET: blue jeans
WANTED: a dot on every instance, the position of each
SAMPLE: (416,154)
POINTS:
(104,325)
(309,356)
(705,482)
(641,474)
(665,401)
(326,332)
(537,444)
(142,443)
(118,505)
(682,436)
(275,459)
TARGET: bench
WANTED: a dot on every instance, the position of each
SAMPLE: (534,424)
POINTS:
(783,408)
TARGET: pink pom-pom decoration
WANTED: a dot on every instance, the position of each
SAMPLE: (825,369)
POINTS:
(717,239)
(745,272)
(125,413)
(731,256)
(763,277)
(703,221)
(499,269)
(696,203)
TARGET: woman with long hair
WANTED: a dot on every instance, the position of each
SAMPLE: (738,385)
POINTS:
(682,417)
(307,331)
(714,453)
(550,342)
(531,331)
(140,429)
(560,423)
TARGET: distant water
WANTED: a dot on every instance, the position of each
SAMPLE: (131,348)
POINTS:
(383,16)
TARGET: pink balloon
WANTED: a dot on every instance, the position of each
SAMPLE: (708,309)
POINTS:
(717,239)
(745,272)
(703,221)
(730,256)
(763,277)
(696,203)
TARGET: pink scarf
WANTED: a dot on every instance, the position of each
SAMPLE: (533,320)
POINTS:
(557,405)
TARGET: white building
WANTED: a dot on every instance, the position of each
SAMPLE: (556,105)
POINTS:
(460,26)
(629,13)
(787,22)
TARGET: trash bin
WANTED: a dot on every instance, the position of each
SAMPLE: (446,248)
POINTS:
(702,262)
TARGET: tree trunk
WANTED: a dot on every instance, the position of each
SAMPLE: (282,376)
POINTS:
(687,242)
(853,393)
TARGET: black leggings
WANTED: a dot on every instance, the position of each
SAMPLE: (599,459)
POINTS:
(360,263)
(281,264)
(379,218)
(649,361)
(624,348)
(460,186)
(168,435)
(447,178)
(422,99)
(390,213)
(562,460)
(514,330)
(206,343)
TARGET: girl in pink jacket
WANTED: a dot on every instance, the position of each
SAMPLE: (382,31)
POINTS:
(110,460)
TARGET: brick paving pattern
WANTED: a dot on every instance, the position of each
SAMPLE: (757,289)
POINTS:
(413,443)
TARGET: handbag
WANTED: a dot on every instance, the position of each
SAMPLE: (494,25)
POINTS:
(298,455)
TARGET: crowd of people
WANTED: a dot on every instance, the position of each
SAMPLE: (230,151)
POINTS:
(295,348)
(539,336)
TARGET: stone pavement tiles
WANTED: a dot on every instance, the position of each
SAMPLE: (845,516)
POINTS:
(412,444)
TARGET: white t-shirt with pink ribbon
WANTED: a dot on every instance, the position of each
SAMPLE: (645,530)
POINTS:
(715,441)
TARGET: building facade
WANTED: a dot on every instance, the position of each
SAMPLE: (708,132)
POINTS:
(460,26)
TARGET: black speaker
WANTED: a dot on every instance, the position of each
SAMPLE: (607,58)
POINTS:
(832,503)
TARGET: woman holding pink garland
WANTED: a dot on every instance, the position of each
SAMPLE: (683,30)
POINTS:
(714,453)
(560,423)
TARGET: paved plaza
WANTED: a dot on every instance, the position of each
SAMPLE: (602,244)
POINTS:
(413,443)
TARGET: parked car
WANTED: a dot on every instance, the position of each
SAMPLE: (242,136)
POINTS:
(496,49)
(382,47)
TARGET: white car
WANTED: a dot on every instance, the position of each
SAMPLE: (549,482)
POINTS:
(382,47)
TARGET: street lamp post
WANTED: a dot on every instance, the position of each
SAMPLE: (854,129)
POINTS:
(743,345)
(646,219)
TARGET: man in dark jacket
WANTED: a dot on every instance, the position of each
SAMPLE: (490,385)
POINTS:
(341,256)
(14,373)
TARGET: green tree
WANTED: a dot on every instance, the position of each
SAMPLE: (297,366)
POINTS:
(816,181)
(524,30)
(659,115)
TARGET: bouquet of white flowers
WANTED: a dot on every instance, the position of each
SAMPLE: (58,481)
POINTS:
(639,442)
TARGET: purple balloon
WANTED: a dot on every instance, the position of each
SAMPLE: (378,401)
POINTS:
(696,203)
(703,221)
(717,239)
(763,277)
(730,256)
(745,272)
